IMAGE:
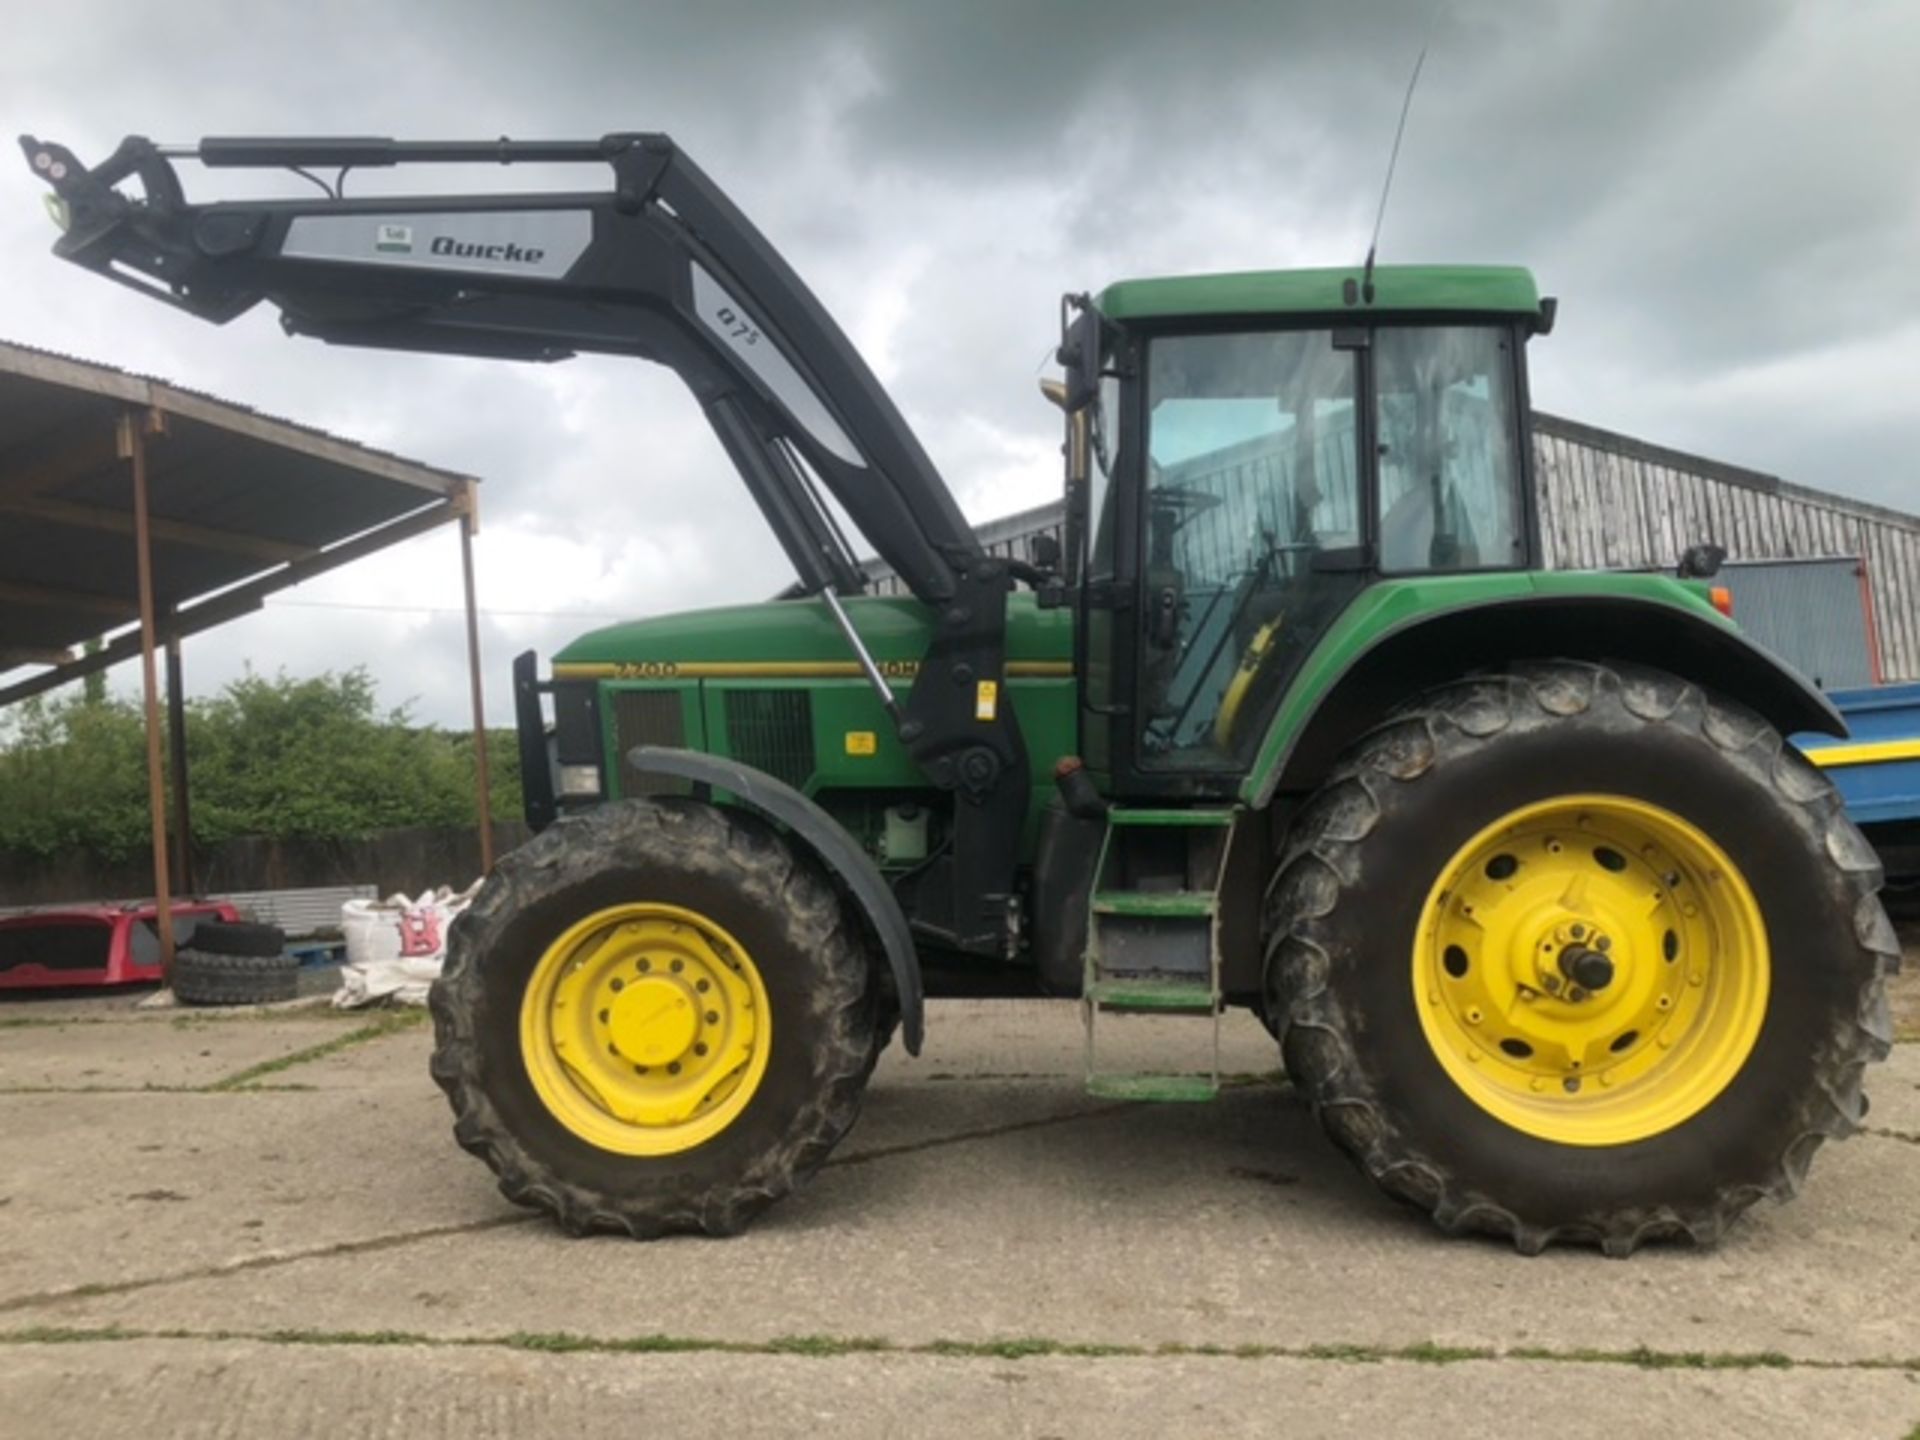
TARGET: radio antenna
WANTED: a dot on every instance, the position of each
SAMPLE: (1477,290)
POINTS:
(1393,156)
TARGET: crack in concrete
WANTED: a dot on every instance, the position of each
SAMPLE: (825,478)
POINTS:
(379,1029)
(1234,1080)
(248,1264)
(252,1263)
(998,1349)
(1883,1133)
(249,1079)
(154,1090)
(985,1132)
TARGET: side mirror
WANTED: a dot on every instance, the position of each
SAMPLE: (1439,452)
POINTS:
(1079,353)
(1702,562)
(1044,550)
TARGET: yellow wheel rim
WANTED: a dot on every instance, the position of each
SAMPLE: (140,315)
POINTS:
(645,1029)
(1635,902)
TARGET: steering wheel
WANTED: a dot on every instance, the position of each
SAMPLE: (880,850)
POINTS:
(1183,501)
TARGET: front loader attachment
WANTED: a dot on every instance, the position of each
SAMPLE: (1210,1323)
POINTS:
(661,265)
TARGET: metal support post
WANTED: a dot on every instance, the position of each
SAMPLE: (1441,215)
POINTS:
(483,788)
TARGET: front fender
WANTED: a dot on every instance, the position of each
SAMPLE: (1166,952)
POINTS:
(829,843)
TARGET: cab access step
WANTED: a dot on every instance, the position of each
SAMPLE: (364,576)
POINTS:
(1153,945)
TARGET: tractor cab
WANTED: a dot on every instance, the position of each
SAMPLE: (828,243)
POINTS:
(1249,453)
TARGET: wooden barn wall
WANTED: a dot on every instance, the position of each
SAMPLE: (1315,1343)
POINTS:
(1608,502)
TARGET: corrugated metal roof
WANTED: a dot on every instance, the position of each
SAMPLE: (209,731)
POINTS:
(236,496)
(142,388)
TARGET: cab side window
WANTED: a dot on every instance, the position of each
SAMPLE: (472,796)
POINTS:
(1448,449)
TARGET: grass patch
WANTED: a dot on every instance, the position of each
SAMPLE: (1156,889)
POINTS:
(315,1008)
(147,1089)
(1008,1348)
(338,1337)
(1885,1134)
(828,1346)
(562,1343)
(1346,1354)
(1429,1353)
(1643,1358)
(69,1335)
(385,1025)
(1023,1348)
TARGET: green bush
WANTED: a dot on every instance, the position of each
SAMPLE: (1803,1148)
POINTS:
(281,757)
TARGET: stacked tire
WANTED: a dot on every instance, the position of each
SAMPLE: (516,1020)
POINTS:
(233,963)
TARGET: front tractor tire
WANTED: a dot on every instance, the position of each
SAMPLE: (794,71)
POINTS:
(655,1017)
(1579,954)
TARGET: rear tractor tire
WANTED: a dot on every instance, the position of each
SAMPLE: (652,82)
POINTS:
(655,1017)
(1579,954)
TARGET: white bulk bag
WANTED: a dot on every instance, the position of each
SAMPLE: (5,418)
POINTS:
(396,946)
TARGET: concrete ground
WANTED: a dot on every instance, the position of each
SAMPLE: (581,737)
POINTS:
(248,1226)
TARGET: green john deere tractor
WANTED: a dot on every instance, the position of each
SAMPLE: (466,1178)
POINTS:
(1557,935)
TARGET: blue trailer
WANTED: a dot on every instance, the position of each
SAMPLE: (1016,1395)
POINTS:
(1815,612)
(1878,767)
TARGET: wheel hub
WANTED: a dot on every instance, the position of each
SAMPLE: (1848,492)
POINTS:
(653,1021)
(1591,969)
(645,1029)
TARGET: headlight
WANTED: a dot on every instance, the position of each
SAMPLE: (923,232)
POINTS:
(57,209)
(579,781)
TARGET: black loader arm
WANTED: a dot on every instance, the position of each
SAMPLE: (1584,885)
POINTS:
(658,264)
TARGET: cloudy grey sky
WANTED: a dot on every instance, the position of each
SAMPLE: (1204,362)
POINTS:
(1725,194)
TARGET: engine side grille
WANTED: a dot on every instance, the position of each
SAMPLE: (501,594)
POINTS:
(772,730)
(645,717)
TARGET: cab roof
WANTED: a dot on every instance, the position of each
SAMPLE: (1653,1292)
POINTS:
(1398,289)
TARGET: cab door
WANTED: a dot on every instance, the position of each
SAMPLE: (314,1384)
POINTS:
(1249,537)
